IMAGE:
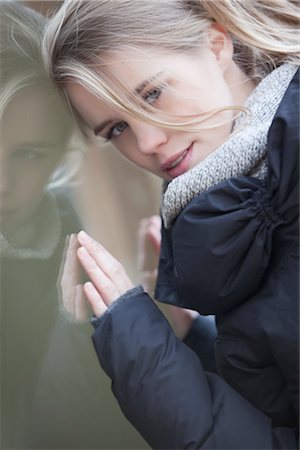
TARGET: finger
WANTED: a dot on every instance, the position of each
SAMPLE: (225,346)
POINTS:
(65,286)
(149,242)
(70,277)
(154,235)
(72,258)
(63,261)
(156,220)
(102,283)
(148,281)
(71,269)
(61,271)
(81,304)
(109,265)
(94,298)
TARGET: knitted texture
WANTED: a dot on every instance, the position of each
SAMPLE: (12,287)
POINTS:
(242,154)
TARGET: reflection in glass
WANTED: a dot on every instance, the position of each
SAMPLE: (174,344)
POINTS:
(53,394)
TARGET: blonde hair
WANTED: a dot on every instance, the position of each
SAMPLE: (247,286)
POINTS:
(83,33)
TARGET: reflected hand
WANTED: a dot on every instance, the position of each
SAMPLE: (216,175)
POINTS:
(72,301)
(108,277)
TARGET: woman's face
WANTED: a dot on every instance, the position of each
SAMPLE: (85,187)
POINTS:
(181,84)
(31,139)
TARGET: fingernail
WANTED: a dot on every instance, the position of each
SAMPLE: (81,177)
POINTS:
(82,251)
(89,286)
(84,237)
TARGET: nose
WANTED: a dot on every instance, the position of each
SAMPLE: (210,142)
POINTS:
(149,137)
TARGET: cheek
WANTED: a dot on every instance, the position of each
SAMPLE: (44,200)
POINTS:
(25,199)
(30,186)
(127,147)
(29,192)
(133,155)
(210,140)
(196,102)
(180,100)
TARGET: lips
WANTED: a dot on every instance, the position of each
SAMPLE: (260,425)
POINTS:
(178,164)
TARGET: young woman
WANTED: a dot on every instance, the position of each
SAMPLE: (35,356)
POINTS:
(204,95)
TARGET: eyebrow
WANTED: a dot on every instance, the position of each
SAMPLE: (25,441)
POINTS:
(137,90)
(144,83)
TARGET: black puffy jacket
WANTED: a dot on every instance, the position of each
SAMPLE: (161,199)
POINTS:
(243,268)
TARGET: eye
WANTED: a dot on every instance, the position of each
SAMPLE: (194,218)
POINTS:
(153,95)
(116,130)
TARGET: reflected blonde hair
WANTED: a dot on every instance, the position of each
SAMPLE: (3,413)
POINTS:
(21,67)
(20,50)
(83,33)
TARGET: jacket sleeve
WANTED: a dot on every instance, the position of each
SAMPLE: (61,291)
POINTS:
(163,391)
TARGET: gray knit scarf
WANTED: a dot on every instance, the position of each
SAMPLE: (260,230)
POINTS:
(244,152)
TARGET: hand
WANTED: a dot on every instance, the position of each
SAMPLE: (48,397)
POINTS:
(71,297)
(181,319)
(149,241)
(108,278)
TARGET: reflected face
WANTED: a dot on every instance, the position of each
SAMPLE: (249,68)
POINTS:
(181,84)
(32,133)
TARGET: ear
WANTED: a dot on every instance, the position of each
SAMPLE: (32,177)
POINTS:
(220,43)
